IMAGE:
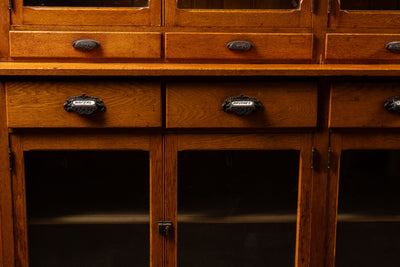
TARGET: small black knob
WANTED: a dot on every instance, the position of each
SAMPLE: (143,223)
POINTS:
(241,105)
(393,104)
(85,44)
(84,105)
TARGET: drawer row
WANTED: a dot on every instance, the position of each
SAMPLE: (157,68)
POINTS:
(274,47)
(262,105)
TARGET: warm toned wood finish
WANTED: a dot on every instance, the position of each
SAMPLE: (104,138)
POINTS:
(6,222)
(273,46)
(40,104)
(189,69)
(23,15)
(340,142)
(197,105)
(151,143)
(353,19)
(250,18)
(367,48)
(4,28)
(361,105)
(24,44)
(175,143)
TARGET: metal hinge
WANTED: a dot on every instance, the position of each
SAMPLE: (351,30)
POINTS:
(313,154)
(312,6)
(10,5)
(164,228)
(11,157)
(329,6)
(329,157)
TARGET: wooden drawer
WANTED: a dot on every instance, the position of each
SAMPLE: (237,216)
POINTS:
(362,48)
(285,104)
(41,104)
(361,105)
(129,45)
(273,47)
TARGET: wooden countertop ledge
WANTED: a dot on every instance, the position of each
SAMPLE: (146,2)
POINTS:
(187,69)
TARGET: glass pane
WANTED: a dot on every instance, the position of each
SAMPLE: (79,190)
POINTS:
(237,208)
(88,3)
(238,4)
(87,208)
(368,230)
(370,5)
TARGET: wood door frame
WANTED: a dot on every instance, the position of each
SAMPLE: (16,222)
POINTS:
(26,142)
(301,18)
(85,16)
(302,142)
(341,142)
(352,19)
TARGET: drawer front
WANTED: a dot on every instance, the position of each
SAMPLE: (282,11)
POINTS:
(361,105)
(41,104)
(274,47)
(367,48)
(285,104)
(24,44)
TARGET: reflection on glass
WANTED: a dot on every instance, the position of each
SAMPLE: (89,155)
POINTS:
(87,208)
(370,5)
(238,4)
(88,3)
(368,230)
(237,208)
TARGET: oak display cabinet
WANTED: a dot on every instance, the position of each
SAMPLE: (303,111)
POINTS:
(199,133)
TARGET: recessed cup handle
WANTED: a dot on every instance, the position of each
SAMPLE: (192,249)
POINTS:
(393,104)
(241,105)
(239,45)
(84,105)
(85,44)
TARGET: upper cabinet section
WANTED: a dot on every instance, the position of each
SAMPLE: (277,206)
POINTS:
(239,13)
(87,12)
(364,14)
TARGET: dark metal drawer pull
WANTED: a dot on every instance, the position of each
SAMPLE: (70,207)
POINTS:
(393,47)
(85,44)
(240,45)
(164,228)
(393,104)
(84,105)
(242,105)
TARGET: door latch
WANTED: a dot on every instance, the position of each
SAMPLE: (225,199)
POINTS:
(164,228)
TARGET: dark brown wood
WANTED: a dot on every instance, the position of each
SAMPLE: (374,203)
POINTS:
(6,222)
(40,104)
(361,105)
(275,47)
(28,44)
(197,105)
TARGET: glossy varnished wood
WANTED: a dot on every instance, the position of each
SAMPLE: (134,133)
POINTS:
(151,143)
(197,105)
(6,222)
(301,142)
(361,105)
(276,47)
(40,104)
(51,44)
(4,28)
(365,48)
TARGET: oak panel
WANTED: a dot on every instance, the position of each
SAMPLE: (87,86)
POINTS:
(27,44)
(197,105)
(40,104)
(368,48)
(361,105)
(213,46)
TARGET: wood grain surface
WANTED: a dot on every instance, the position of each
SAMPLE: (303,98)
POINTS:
(197,105)
(40,104)
(278,47)
(50,44)
(365,48)
(361,105)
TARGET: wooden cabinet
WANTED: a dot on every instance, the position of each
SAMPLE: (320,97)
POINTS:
(199,133)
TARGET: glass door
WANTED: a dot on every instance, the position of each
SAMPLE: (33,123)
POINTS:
(88,202)
(238,13)
(364,14)
(87,12)
(368,204)
(238,200)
